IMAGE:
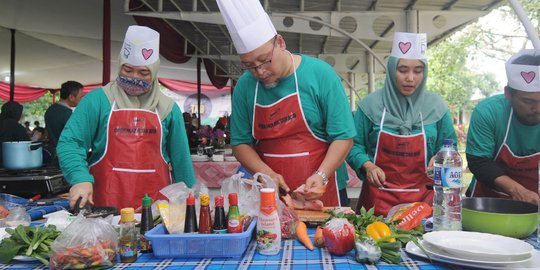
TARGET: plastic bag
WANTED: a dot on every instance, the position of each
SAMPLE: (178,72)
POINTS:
(18,216)
(248,193)
(410,215)
(176,208)
(96,246)
(288,220)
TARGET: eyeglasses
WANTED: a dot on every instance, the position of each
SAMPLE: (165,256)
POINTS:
(265,64)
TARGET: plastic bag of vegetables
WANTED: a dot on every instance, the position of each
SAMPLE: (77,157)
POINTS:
(96,246)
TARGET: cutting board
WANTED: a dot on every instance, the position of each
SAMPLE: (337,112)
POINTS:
(313,216)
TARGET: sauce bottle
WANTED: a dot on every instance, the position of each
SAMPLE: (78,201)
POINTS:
(205,217)
(147,223)
(234,224)
(268,225)
(190,224)
(127,242)
(220,220)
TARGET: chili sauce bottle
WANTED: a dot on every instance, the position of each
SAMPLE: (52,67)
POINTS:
(234,221)
(127,243)
(268,225)
(147,223)
(205,217)
(220,220)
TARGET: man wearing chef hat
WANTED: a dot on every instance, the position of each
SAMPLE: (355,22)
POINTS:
(135,132)
(291,118)
(502,143)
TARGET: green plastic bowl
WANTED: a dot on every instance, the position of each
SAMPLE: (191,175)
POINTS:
(499,216)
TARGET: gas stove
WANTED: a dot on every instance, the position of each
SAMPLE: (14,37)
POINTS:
(47,181)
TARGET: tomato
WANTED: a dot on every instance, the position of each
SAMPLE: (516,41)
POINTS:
(338,236)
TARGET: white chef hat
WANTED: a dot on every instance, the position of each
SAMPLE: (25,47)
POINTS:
(524,76)
(247,22)
(409,45)
(141,46)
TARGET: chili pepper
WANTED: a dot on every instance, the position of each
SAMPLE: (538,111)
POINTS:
(378,230)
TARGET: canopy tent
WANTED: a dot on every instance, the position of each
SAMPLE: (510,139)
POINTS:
(61,40)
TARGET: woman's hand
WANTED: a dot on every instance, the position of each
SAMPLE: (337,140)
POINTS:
(82,190)
(375,175)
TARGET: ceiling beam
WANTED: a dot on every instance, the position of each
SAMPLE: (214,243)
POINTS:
(449,5)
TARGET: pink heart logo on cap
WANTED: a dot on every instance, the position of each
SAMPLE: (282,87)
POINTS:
(404,47)
(146,53)
(528,76)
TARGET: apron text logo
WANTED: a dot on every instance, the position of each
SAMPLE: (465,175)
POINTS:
(280,121)
(401,154)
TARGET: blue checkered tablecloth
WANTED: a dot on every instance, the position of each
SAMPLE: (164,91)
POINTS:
(292,256)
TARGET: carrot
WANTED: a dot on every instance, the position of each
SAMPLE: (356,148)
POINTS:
(302,236)
(318,238)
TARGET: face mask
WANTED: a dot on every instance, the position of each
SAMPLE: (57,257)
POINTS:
(132,86)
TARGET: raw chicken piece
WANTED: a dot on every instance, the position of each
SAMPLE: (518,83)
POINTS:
(302,200)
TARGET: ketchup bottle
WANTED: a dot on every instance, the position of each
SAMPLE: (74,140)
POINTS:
(205,217)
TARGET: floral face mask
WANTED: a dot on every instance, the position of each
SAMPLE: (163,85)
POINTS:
(133,86)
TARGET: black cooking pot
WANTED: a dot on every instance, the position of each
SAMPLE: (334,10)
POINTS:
(22,155)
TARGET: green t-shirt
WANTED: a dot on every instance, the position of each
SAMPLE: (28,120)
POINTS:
(87,129)
(487,129)
(365,143)
(56,118)
(323,99)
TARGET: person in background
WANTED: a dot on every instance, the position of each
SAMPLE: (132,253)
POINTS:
(58,113)
(503,149)
(191,130)
(27,126)
(10,129)
(36,125)
(195,120)
(400,128)
(291,119)
(134,130)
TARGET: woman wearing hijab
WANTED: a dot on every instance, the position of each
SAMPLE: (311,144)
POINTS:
(400,128)
(10,129)
(135,132)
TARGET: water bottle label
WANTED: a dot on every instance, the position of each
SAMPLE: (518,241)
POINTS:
(447,177)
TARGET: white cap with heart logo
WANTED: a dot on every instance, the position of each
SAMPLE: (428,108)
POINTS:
(522,76)
(409,45)
(141,46)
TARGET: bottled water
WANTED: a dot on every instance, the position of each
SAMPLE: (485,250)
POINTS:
(447,185)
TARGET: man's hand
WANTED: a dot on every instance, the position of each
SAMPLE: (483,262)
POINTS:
(525,195)
(516,190)
(280,181)
(374,174)
(82,190)
(314,186)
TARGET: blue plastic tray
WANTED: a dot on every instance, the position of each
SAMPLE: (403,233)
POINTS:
(193,245)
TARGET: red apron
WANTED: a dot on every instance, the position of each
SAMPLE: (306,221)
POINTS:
(132,163)
(523,170)
(403,160)
(287,145)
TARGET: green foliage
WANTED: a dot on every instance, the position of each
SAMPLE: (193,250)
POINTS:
(450,76)
(35,110)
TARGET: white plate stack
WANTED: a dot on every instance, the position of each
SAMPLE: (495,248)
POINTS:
(480,250)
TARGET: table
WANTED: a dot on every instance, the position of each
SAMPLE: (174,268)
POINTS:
(292,256)
(212,173)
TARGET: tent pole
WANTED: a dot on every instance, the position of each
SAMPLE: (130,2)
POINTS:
(12,68)
(529,28)
(106,45)
(199,60)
